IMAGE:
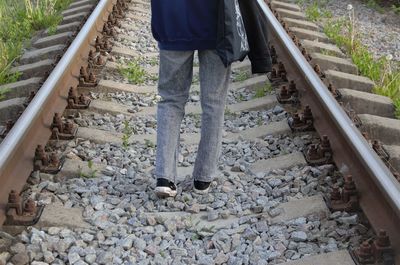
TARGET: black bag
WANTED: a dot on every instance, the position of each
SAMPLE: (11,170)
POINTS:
(232,42)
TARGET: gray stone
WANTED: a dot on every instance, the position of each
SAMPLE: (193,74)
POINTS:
(105,257)
(20,258)
(195,208)
(18,248)
(221,258)
(351,220)
(151,250)
(90,258)
(4,258)
(249,234)
(212,215)
(127,242)
(299,236)
(73,257)
(48,256)
(139,243)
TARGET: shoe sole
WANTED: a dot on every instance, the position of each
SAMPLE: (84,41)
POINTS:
(165,192)
(205,191)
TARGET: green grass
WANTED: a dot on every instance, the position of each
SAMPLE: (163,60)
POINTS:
(263,91)
(381,70)
(91,173)
(19,19)
(3,93)
(241,76)
(374,5)
(316,10)
(127,132)
(134,72)
(396,9)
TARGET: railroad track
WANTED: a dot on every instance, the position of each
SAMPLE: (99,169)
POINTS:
(293,189)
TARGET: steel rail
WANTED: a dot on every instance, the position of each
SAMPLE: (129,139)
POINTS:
(373,165)
(33,126)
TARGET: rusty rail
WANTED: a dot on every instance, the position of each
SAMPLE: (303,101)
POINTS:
(33,127)
(379,191)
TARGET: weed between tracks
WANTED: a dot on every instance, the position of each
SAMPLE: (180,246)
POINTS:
(135,73)
(19,19)
(343,31)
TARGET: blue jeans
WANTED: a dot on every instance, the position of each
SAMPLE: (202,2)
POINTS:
(175,78)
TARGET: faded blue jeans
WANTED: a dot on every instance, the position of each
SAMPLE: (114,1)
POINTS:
(175,78)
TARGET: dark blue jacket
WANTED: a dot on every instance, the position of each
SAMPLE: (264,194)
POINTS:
(185,24)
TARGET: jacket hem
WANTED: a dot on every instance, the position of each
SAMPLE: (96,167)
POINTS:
(180,45)
(261,66)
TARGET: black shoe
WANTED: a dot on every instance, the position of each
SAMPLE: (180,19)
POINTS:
(201,186)
(165,188)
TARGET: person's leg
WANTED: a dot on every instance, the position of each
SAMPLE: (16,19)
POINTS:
(175,78)
(214,81)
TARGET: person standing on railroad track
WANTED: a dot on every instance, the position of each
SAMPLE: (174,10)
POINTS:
(181,27)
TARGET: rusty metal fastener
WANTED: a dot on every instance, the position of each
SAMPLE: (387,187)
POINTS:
(378,148)
(14,201)
(46,163)
(293,88)
(111,19)
(322,156)
(397,175)
(281,69)
(273,51)
(83,74)
(9,125)
(364,254)
(30,207)
(29,99)
(283,95)
(295,40)
(21,213)
(347,199)
(63,130)
(284,77)
(335,93)
(87,80)
(75,102)
(90,56)
(307,114)
(382,248)
(303,122)
(274,74)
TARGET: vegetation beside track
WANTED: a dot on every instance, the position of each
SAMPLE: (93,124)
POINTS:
(19,20)
(343,31)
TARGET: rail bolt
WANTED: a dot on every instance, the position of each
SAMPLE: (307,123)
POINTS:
(30,207)
(307,114)
(83,74)
(90,56)
(397,175)
(293,88)
(274,74)
(382,248)
(99,61)
(57,122)
(378,148)
(297,120)
(14,202)
(335,194)
(312,152)
(14,197)
(273,50)
(364,253)
(92,78)
(325,144)
(281,69)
